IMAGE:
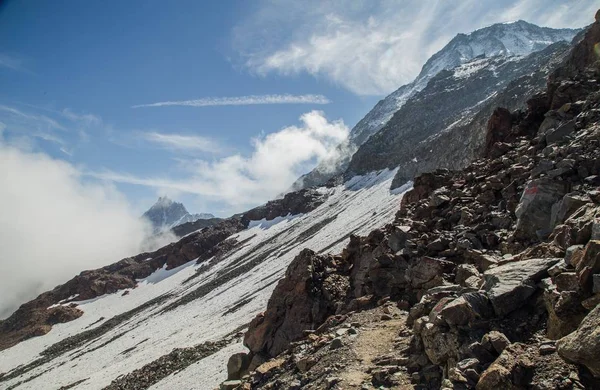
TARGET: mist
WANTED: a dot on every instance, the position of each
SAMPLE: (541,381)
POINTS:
(55,224)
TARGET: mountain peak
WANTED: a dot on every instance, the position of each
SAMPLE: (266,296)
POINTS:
(164,201)
(166,214)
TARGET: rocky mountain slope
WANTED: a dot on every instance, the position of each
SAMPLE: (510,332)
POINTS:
(499,40)
(488,278)
(166,214)
(444,124)
(475,276)
(180,308)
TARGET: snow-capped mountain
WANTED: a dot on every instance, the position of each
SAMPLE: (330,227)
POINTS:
(518,38)
(165,214)
(172,318)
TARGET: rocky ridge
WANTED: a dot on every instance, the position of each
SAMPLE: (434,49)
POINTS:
(494,269)
(501,40)
(36,318)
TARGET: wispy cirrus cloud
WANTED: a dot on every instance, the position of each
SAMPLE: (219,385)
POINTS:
(181,142)
(242,101)
(22,126)
(12,63)
(373,47)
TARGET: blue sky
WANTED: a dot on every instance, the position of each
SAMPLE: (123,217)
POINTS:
(81,81)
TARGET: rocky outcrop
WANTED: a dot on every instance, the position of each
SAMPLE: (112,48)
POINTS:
(302,300)
(35,318)
(444,125)
(292,203)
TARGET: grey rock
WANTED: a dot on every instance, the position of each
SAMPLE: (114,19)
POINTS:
(596,283)
(508,286)
(563,130)
(570,252)
(567,206)
(336,343)
(583,345)
(495,341)
(237,365)
(467,308)
(230,385)
(535,207)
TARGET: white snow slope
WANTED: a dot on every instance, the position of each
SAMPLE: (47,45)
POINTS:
(358,206)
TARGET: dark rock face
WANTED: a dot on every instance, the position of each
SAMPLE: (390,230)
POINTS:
(297,202)
(444,125)
(302,300)
(188,227)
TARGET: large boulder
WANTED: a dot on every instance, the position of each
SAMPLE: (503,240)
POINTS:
(512,370)
(535,208)
(583,345)
(302,300)
(508,286)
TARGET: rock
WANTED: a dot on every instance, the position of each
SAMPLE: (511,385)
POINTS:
(472,375)
(557,268)
(574,252)
(508,286)
(583,345)
(596,229)
(566,281)
(465,271)
(563,130)
(386,317)
(237,365)
(306,363)
(230,385)
(495,341)
(596,283)
(301,300)
(535,206)
(591,302)
(426,269)
(336,343)
(589,264)
(270,365)
(512,370)
(439,344)
(479,352)
(397,238)
(467,308)
(567,206)
(547,349)
(465,364)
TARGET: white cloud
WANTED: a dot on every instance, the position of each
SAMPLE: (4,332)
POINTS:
(54,224)
(12,63)
(373,47)
(40,121)
(243,101)
(181,142)
(239,181)
(84,119)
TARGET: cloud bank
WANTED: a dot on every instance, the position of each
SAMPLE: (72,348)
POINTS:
(243,101)
(55,224)
(374,47)
(277,160)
